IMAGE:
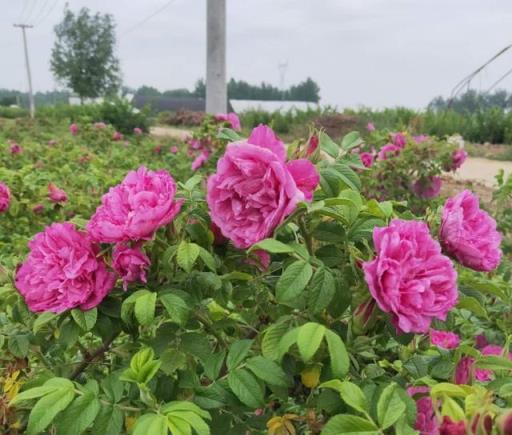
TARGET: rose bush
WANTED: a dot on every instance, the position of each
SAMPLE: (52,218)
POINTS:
(263,293)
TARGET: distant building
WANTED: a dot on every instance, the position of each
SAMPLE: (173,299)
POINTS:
(74,100)
(170,104)
(271,106)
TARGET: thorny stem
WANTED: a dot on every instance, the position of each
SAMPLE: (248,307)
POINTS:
(306,235)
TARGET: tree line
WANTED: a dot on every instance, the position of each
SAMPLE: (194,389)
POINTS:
(473,101)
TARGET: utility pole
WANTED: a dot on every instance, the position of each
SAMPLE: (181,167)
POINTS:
(27,64)
(216,88)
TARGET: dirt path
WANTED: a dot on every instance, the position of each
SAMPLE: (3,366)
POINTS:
(482,170)
(164,131)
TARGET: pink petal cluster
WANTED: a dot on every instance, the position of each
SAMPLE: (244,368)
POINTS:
(427,188)
(469,233)
(260,259)
(426,422)
(63,271)
(15,148)
(55,194)
(450,427)
(399,140)
(137,131)
(444,339)
(409,277)
(485,375)
(388,150)
(38,209)
(312,145)
(366,159)
(5,197)
(458,158)
(73,129)
(173,149)
(370,127)
(136,208)
(254,189)
(117,135)
(130,263)
(421,138)
(463,370)
(231,118)
(199,160)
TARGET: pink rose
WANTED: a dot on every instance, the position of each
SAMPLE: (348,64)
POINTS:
(458,158)
(173,149)
(485,375)
(370,127)
(265,137)
(312,145)
(231,118)
(100,125)
(469,233)
(130,264)
(444,339)
(137,131)
(427,188)
(251,193)
(63,271)
(388,150)
(5,197)
(117,136)
(14,148)
(421,138)
(463,370)
(38,209)
(305,175)
(399,140)
(426,422)
(73,129)
(199,160)
(480,341)
(55,194)
(260,259)
(366,159)
(136,208)
(450,427)
(409,277)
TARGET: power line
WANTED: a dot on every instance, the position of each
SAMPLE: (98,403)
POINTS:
(145,20)
(24,8)
(42,10)
(497,82)
(52,7)
(30,11)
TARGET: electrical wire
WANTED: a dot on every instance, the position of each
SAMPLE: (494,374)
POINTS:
(497,82)
(145,20)
(23,9)
(52,7)
(30,11)
(41,12)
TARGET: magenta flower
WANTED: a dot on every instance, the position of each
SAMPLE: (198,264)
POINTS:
(427,188)
(370,127)
(426,422)
(469,233)
(421,138)
(231,118)
(5,197)
(130,264)
(251,193)
(173,149)
(117,136)
(409,277)
(444,339)
(312,145)
(265,137)
(63,271)
(387,151)
(200,160)
(73,129)
(260,259)
(305,175)
(458,158)
(137,131)
(450,427)
(38,209)
(100,125)
(480,341)
(485,375)
(399,140)
(136,208)
(463,370)
(14,148)
(366,159)
(55,194)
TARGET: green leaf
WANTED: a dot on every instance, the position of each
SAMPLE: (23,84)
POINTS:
(213,364)
(42,320)
(293,281)
(197,423)
(494,363)
(348,176)
(245,386)
(268,371)
(452,409)
(321,291)
(208,259)
(288,339)
(129,304)
(153,424)
(18,345)
(340,362)
(187,255)
(228,134)
(389,407)
(271,338)
(177,308)
(109,421)
(85,319)
(273,246)
(178,426)
(145,308)
(79,416)
(350,393)
(351,140)
(237,353)
(185,406)
(309,339)
(471,304)
(349,425)
(328,145)
(447,389)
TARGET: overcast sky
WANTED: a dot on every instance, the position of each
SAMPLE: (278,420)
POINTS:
(361,52)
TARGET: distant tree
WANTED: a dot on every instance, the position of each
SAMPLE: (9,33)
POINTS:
(200,89)
(472,101)
(83,55)
(182,92)
(148,91)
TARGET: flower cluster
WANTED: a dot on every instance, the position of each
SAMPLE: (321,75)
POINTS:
(5,197)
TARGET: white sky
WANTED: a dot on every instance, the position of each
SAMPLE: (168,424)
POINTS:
(361,52)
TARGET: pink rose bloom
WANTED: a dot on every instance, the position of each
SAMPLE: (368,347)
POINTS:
(485,375)
(427,188)
(450,427)
(312,145)
(195,144)
(366,159)
(55,194)
(458,158)
(409,277)
(38,209)
(463,370)
(370,127)
(200,160)
(231,118)
(421,138)
(399,140)
(260,259)
(100,125)
(426,422)
(63,271)
(173,149)
(480,341)
(117,136)
(469,233)
(387,151)
(444,339)
(251,193)
(157,149)
(73,129)
(14,148)
(136,208)
(130,264)
(265,137)
(5,197)
(137,131)
(305,175)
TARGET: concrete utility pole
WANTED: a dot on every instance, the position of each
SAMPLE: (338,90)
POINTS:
(216,88)
(27,64)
